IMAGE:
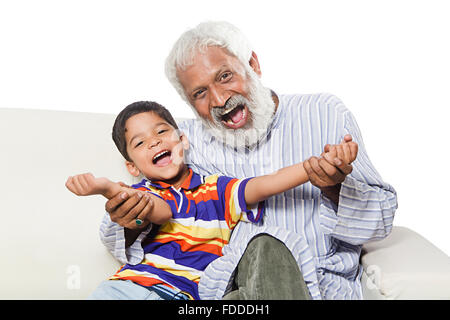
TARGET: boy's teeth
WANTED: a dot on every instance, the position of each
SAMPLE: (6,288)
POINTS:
(159,155)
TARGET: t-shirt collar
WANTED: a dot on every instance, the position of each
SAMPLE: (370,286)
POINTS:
(193,180)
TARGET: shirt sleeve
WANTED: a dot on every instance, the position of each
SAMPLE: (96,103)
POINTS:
(232,194)
(367,204)
(112,236)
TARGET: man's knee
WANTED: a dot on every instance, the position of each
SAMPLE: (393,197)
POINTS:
(268,270)
(267,246)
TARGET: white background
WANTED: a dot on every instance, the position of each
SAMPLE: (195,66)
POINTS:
(389,61)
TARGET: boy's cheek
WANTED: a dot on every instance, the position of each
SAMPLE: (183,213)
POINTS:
(178,154)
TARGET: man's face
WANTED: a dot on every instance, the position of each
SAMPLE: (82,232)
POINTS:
(227,98)
(214,77)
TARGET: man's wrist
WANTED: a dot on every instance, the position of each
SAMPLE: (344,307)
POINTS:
(332,193)
(132,234)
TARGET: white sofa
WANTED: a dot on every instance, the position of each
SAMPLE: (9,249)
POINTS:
(49,240)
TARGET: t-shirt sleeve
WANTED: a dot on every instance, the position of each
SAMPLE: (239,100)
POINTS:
(144,186)
(231,192)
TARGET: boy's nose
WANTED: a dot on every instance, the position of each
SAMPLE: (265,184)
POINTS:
(154,143)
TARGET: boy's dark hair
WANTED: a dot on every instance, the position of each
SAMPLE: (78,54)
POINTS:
(118,133)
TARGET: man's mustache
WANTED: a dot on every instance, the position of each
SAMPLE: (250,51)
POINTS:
(227,103)
(232,102)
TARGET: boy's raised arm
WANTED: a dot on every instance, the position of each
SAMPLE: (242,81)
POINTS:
(262,187)
(86,184)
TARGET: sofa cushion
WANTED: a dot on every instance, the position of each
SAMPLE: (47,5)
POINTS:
(405,266)
(49,238)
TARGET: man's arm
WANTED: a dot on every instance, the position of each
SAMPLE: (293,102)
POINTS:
(120,209)
(112,236)
(361,206)
(328,174)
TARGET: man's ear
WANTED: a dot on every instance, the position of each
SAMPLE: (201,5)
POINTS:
(254,63)
(132,169)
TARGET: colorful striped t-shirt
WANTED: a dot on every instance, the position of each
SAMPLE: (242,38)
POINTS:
(204,212)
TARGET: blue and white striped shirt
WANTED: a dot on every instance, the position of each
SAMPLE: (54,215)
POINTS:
(324,239)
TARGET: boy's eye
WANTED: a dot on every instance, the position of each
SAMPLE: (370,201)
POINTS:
(138,144)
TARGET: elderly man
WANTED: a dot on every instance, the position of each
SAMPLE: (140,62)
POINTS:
(309,242)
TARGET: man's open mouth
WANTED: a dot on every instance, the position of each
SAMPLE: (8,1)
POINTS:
(162,158)
(235,117)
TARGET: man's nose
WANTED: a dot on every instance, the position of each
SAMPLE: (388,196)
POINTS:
(218,97)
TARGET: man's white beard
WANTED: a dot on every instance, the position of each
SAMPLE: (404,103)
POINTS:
(261,109)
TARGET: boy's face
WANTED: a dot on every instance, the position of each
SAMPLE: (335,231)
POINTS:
(154,146)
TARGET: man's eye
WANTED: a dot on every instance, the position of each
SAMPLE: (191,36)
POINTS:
(225,76)
(162,131)
(198,93)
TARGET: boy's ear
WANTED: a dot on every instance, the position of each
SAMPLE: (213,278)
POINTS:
(184,141)
(132,169)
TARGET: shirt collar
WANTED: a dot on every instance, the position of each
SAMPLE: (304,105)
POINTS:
(192,181)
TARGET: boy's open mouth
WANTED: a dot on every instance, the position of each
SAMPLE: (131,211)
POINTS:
(235,117)
(162,158)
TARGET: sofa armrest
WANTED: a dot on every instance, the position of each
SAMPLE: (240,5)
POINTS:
(405,266)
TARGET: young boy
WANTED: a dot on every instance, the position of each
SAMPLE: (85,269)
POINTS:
(196,213)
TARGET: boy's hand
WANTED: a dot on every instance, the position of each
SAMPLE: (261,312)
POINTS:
(331,170)
(345,152)
(328,172)
(86,184)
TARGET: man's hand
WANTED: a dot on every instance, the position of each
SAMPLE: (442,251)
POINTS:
(124,210)
(329,171)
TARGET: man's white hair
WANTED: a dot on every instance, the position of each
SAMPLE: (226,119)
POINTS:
(212,33)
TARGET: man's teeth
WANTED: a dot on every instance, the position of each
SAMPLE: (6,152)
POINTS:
(228,110)
(229,121)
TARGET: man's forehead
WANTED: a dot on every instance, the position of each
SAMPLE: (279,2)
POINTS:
(208,62)
(204,56)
